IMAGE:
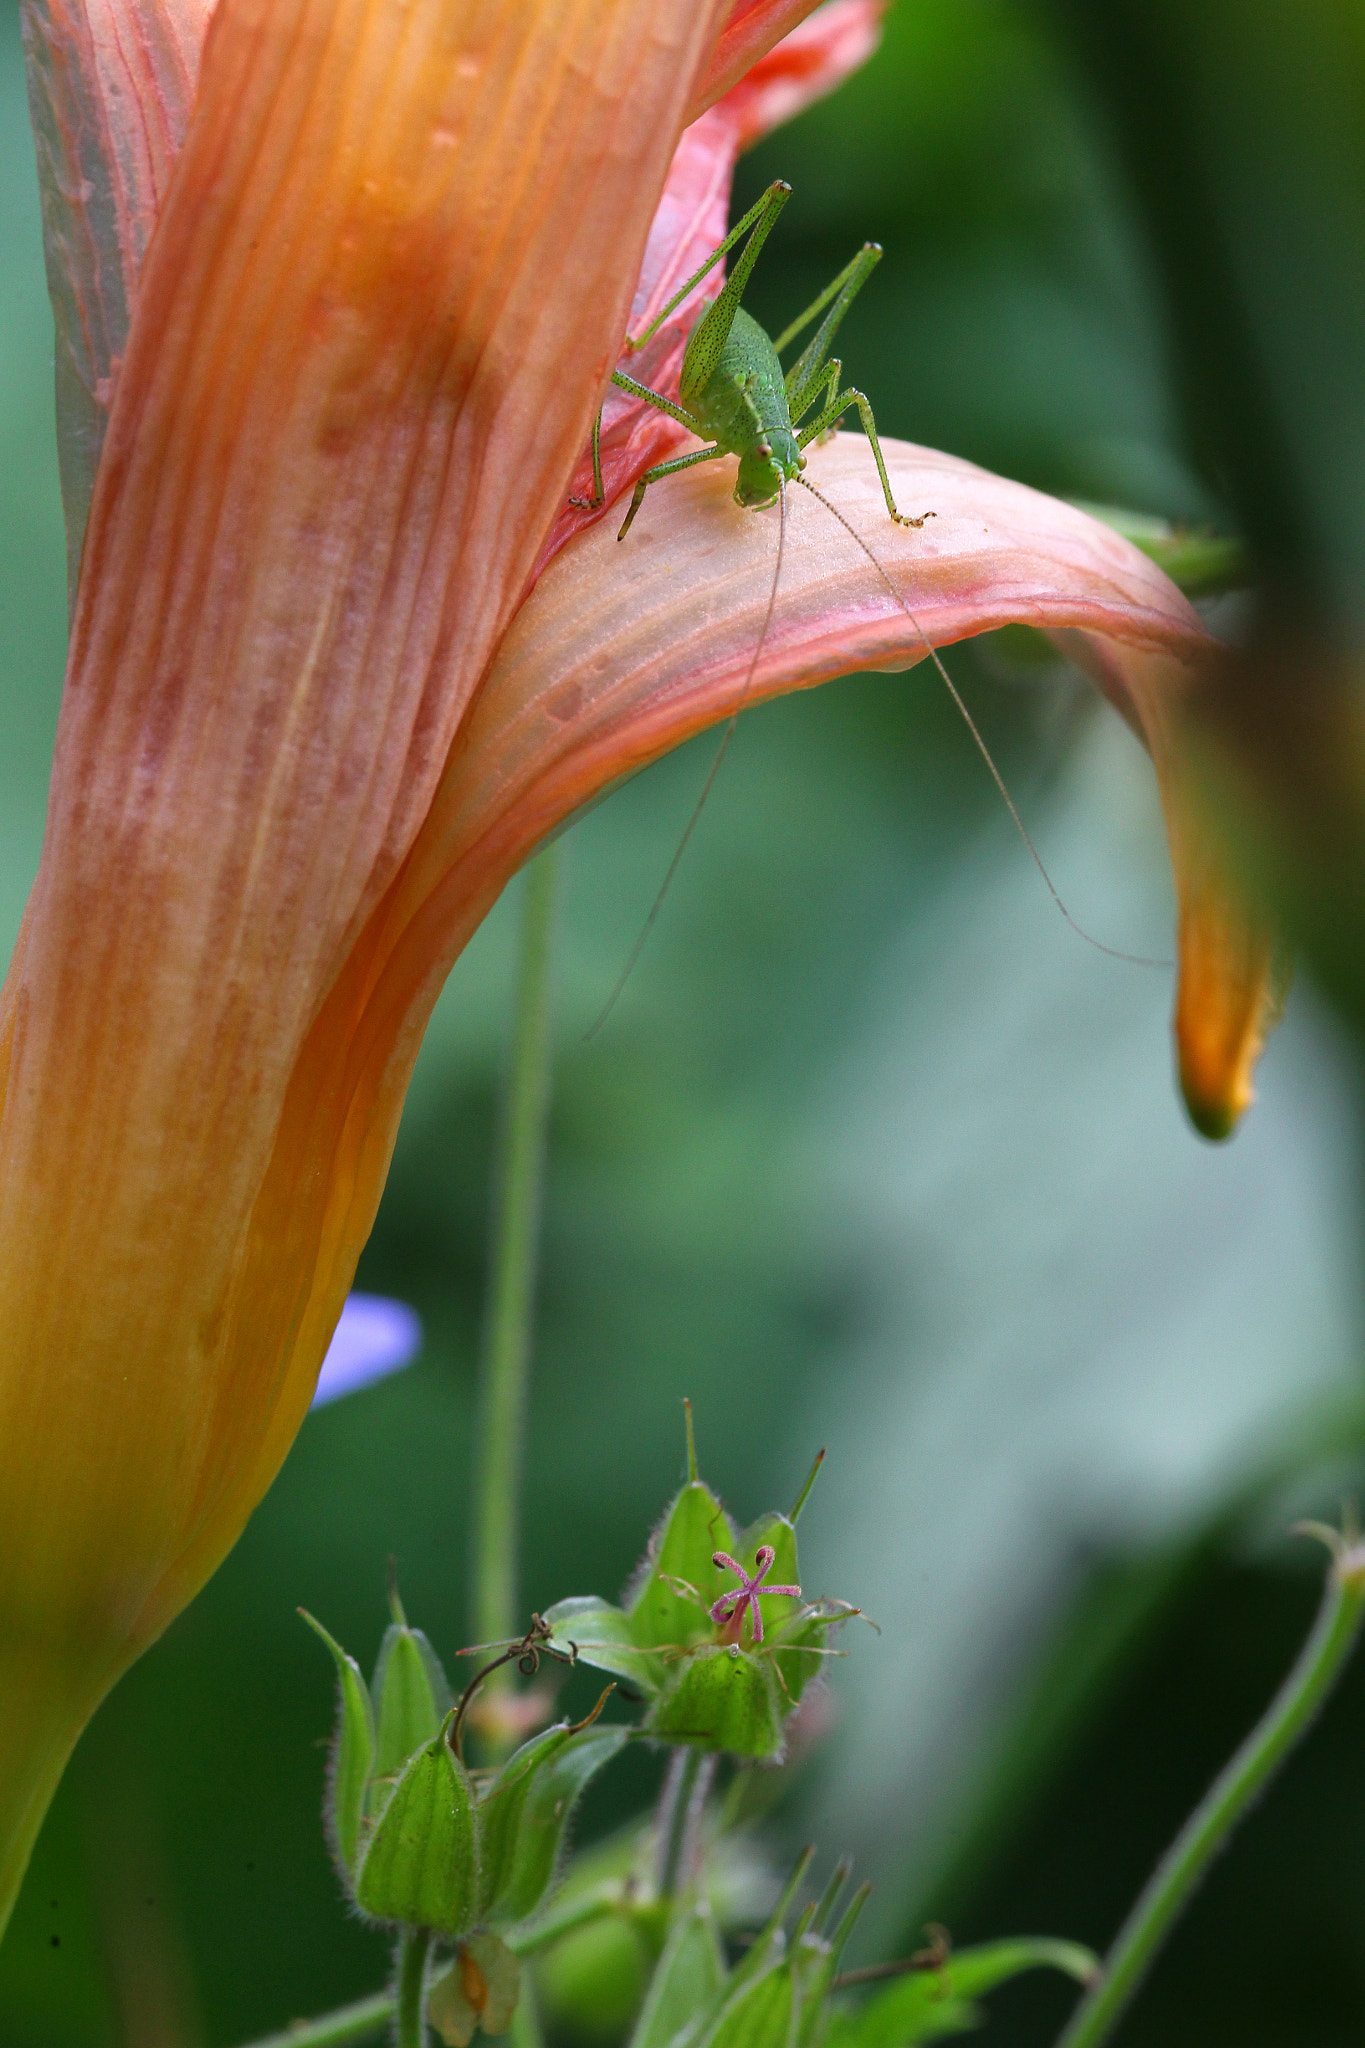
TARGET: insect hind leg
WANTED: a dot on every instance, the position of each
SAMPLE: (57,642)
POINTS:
(830,417)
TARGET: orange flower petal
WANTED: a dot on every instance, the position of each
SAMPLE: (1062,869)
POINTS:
(751,29)
(1233,969)
(624,650)
(391,269)
(113,85)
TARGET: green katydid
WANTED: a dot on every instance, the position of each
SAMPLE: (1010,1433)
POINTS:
(732,390)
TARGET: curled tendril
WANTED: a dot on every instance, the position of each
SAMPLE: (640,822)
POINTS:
(527,1652)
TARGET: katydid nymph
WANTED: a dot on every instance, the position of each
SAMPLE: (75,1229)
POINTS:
(732,388)
(733,392)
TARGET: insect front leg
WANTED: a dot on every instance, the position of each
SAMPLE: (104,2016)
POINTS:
(598,498)
(831,416)
(764,210)
(660,404)
(651,476)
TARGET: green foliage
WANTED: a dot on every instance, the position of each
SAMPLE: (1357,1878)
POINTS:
(927,2004)
(687,1978)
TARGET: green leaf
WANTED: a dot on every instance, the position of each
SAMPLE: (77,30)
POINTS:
(523,1818)
(687,1978)
(601,1635)
(670,1604)
(928,2004)
(722,1698)
(411,1697)
(1200,561)
(420,1863)
(352,1751)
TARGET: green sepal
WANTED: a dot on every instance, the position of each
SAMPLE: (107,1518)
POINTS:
(929,2004)
(419,1865)
(669,1604)
(758,2013)
(797,1645)
(411,1697)
(687,1979)
(523,1817)
(666,1607)
(594,1632)
(722,1697)
(352,1755)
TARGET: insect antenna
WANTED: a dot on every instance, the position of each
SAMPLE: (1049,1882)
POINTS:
(707,786)
(1113,952)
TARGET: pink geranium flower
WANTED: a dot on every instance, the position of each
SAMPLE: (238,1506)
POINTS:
(338,287)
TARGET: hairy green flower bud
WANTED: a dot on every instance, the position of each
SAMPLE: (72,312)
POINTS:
(722,1664)
(422,1842)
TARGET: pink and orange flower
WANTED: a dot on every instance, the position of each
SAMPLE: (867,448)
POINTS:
(338,286)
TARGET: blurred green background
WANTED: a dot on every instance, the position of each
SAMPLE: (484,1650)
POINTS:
(873,1152)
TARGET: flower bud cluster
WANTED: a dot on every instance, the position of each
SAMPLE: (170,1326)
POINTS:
(424,1844)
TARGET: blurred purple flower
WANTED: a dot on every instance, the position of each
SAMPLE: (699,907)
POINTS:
(374,1337)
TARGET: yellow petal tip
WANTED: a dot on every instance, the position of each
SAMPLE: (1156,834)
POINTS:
(1233,980)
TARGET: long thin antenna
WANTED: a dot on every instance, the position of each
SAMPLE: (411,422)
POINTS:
(721,751)
(1113,953)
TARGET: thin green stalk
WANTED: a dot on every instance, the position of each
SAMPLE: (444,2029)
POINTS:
(526,2030)
(1176,1877)
(363,2021)
(603,1902)
(679,1813)
(411,2031)
(507,1331)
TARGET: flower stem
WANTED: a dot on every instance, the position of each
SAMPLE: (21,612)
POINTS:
(1175,1878)
(519,1172)
(362,2021)
(411,2031)
(684,1795)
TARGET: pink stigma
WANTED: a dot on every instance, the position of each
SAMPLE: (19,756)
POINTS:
(729,1609)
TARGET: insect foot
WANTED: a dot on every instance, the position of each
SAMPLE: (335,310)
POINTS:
(721,1667)
(904,519)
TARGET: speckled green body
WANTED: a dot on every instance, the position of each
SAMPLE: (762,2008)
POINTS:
(743,408)
(732,387)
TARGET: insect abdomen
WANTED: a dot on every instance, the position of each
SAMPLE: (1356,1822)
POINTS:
(744,397)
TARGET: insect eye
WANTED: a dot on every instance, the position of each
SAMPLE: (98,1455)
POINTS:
(764,450)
